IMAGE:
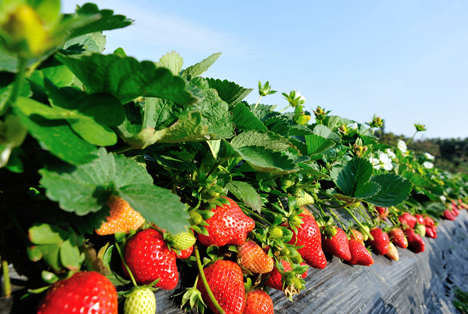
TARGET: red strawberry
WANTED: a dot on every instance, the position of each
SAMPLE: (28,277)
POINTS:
(407,219)
(304,275)
(149,258)
(258,302)
(419,219)
(428,221)
(415,241)
(449,214)
(337,245)
(356,235)
(228,225)
(227,284)
(274,279)
(431,232)
(83,292)
(185,253)
(122,217)
(383,212)
(455,211)
(359,254)
(253,258)
(397,236)
(308,236)
(380,242)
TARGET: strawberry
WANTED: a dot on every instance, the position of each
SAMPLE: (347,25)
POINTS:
(419,219)
(149,258)
(184,253)
(182,241)
(309,237)
(304,198)
(258,302)
(449,214)
(428,221)
(420,229)
(226,281)
(304,275)
(337,245)
(228,226)
(123,217)
(397,236)
(83,292)
(359,254)
(253,258)
(415,241)
(356,235)
(140,301)
(392,252)
(431,232)
(383,212)
(407,219)
(306,211)
(381,241)
(274,277)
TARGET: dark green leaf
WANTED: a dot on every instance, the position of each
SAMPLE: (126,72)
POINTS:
(317,144)
(245,120)
(394,190)
(228,91)
(266,160)
(246,193)
(417,179)
(353,176)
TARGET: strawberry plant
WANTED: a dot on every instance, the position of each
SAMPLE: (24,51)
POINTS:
(119,167)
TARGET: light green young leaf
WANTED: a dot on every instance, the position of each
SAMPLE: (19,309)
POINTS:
(267,140)
(228,91)
(266,160)
(172,61)
(201,67)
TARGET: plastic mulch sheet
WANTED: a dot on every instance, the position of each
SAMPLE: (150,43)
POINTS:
(417,283)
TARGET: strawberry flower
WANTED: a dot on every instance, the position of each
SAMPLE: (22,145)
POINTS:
(382,162)
(428,165)
(390,153)
(429,156)
(402,147)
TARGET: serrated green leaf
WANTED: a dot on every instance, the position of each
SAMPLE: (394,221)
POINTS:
(394,190)
(105,20)
(267,140)
(94,133)
(278,124)
(93,42)
(266,160)
(298,130)
(352,176)
(201,67)
(127,79)
(245,120)
(325,132)
(172,61)
(228,91)
(188,128)
(246,193)
(417,179)
(157,205)
(317,144)
(367,190)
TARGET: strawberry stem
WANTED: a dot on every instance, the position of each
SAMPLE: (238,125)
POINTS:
(125,264)
(359,223)
(252,213)
(205,282)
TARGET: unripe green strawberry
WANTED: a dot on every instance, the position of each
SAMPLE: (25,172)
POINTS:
(183,241)
(420,229)
(364,230)
(140,301)
(304,199)
(296,281)
(275,233)
(195,218)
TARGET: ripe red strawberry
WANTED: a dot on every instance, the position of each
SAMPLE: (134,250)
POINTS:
(383,212)
(149,258)
(83,292)
(304,275)
(392,252)
(253,258)
(228,225)
(258,302)
(308,236)
(431,232)
(227,284)
(397,236)
(337,245)
(185,253)
(428,221)
(122,217)
(419,219)
(449,214)
(415,241)
(455,211)
(359,254)
(380,242)
(356,235)
(274,277)
(407,219)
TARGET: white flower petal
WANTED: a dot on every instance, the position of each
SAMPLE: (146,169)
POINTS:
(428,164)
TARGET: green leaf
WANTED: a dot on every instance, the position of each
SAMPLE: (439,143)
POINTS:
(70,255)
(188,128)
(94,42)
(127,79)
(417,179)
(246,193)
(317,144)
(367,190)
(94,133)
(172,61)
(394,190)
(266,160)
(267,140)
(228,91)
(325,132)
(57,137)
(245,120)
(353,176)
(278,124)
(106,20)
(47,234)
(201,67)
(157,205)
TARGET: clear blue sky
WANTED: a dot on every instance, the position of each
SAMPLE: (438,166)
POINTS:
(406,61)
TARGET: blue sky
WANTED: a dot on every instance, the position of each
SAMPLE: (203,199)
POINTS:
(406,61)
